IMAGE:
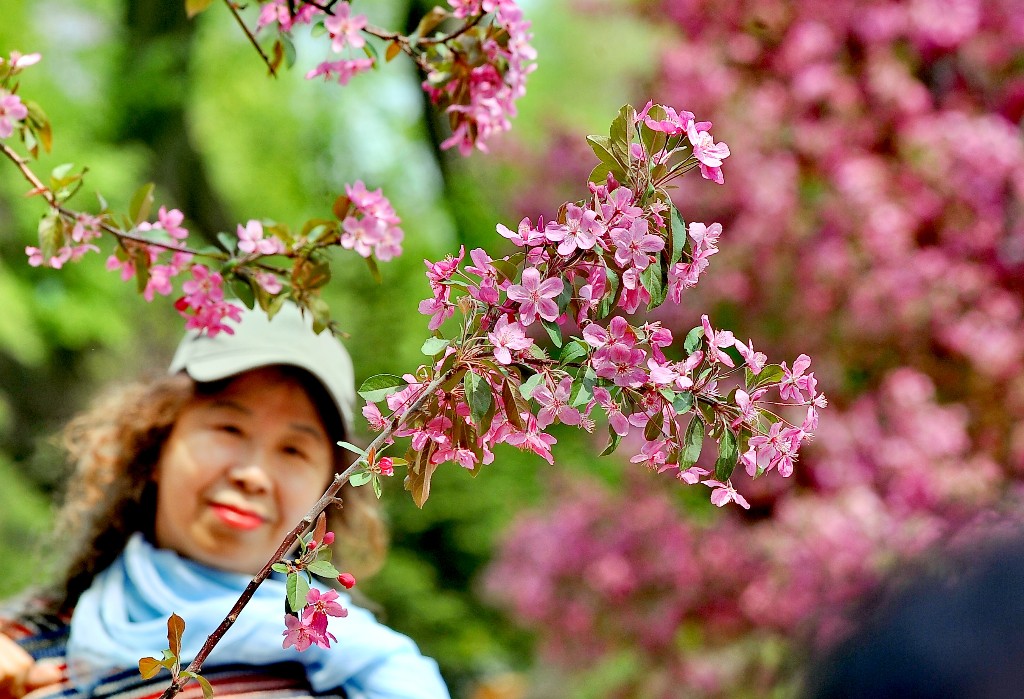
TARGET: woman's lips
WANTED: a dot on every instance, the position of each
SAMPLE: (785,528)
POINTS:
(235,517)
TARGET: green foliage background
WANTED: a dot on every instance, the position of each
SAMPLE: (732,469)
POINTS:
(138,93)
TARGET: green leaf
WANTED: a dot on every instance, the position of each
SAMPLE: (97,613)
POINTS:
(148,667)
(361,478)
(651,280)
(602,147)
(554,332)
(682,402)
(507,270)
(583,391)
(478,396)
(692,341)
(376,487)
(611,296)
(728,453)
(323,568)
(430,21)
(51,235)
(142,202)
(527,387)
(351,447)
(572,351)
(297,590)
(243,292)
(194,7)
(693,441)
(769,374)
(205,684)
(380,386)
(434,345)
(652,430)
(613,442)
(279,568)
(678,234)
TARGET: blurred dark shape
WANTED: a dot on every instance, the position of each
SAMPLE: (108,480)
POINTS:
(958,634)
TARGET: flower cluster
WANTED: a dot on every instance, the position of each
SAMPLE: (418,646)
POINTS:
(483,72)
(611,252)
(892,484)
(371,226)
(309,607)
(13,111)
(263,262)
(475,73)
(889,248)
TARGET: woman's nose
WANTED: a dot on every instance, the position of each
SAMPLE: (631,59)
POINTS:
(250,474)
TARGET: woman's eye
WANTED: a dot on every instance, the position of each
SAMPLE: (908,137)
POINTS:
(294,452)
(228,428)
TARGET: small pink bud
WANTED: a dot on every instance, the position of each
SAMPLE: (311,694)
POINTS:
(328,538)
(387,466)
(312,544)
(347,580)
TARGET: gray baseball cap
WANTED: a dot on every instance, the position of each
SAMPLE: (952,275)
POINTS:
(287,338)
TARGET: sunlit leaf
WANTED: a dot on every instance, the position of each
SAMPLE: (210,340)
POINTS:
(380,386)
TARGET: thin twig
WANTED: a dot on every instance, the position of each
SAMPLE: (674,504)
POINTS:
(327,499)
(251,37)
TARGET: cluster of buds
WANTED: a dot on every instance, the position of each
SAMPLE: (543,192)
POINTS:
(622,247)
(309,608)
(475,56)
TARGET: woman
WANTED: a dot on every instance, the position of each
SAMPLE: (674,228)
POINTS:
(183,488)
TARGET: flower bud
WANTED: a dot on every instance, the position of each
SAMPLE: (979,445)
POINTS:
(347,580)
(312,544)
(328,538)
(387,466)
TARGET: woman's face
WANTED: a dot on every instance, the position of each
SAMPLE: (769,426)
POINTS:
(239,470)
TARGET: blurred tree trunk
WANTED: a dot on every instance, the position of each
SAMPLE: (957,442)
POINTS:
(153,95)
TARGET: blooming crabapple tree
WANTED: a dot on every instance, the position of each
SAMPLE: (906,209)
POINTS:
(573,284)
(873,213)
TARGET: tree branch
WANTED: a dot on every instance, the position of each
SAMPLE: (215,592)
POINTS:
(249,35)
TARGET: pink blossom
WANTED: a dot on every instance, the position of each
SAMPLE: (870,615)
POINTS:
(709,154)
(535,296)
(251,240)
(724,493)
(373,416)
(653,455)
(508,337)
(11,111)
(268,281)
(439,311)
(616,420)
(525,236)
(621,364)
(325,603)
(463,457)
(203,305)
(298,633)
(717,341)
(755,360)
(345,28)
(556,405)
(342,71)
(794,380)
(580,231)
(635,245)
(673,124)
(159,281)
(279,11)
(533,439)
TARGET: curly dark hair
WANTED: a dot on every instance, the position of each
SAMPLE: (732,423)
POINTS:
(114,448)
